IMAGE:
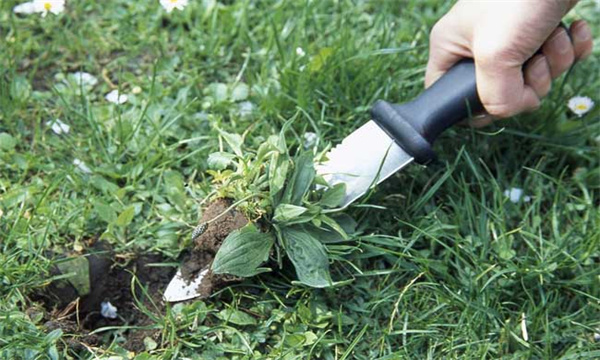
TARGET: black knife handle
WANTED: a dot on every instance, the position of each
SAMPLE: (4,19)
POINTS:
(415,125)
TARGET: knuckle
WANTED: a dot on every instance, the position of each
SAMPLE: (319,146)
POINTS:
(436,32)
(492,57)
(501,110)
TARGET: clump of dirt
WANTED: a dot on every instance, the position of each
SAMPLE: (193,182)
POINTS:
(209,242)
(212,238)
(78,315)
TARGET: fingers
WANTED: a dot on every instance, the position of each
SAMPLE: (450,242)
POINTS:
(538,75)
(502,88)
(582,39)
(559,52)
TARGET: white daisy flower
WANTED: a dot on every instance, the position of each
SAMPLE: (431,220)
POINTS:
(25,8)
(84,79)
(116,98)
(170,5)
(580,105)
(300,52)
(59,127)
(515,195)
(310,139)
(82,166)
(49,6)
(108,310)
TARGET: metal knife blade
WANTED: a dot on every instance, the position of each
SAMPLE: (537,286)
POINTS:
(363,159)
(180,289)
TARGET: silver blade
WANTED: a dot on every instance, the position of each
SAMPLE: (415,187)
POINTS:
(180,289)
(363,159)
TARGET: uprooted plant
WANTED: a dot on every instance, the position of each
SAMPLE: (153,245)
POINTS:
(293,211)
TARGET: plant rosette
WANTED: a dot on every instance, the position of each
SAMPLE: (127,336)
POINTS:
(294,213)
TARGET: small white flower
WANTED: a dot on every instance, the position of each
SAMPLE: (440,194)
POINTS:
(310,139)
(58,127)
(136,90)
(580,105)
(84,79)
(25,8)
(49,6)
(116,98)
(300,52)
(82,166)
(108,310)
(515,195)
(170,5)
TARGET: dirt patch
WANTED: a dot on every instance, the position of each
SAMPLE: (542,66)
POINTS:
(209,242)
(110,282)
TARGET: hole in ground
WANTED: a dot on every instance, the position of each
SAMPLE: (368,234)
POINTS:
(110,281)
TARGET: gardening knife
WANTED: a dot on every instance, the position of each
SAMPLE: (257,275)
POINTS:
(399,134)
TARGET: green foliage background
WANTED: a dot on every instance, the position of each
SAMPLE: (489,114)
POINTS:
(446,266)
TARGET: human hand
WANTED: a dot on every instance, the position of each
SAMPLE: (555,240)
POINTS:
(500,37)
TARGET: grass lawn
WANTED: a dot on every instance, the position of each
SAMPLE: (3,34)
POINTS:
(444,264)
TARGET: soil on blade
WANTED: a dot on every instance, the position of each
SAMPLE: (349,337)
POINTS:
(209,242)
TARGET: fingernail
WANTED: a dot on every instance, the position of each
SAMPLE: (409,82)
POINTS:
(582,32)
(539,67)
(561,42)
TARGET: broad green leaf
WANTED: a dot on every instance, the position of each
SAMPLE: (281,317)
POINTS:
(302,178)
(53,352)
(100,183)
(320,59)
(287,212)
(263,151)
(125,217)
(278,169)
(78,270)
(240,92)
(308,256)
(236,317)
(53,336)
(218,92)
(175,188)
(7,142)
(242,252)
(234,141)
(327,235)
(20,89)
(220,160)
(106,212)
(334,196)
(334,225)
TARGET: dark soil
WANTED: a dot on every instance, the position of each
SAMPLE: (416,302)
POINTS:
(110,281)
(207,245)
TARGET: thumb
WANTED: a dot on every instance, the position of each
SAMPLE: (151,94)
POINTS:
(446,48)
